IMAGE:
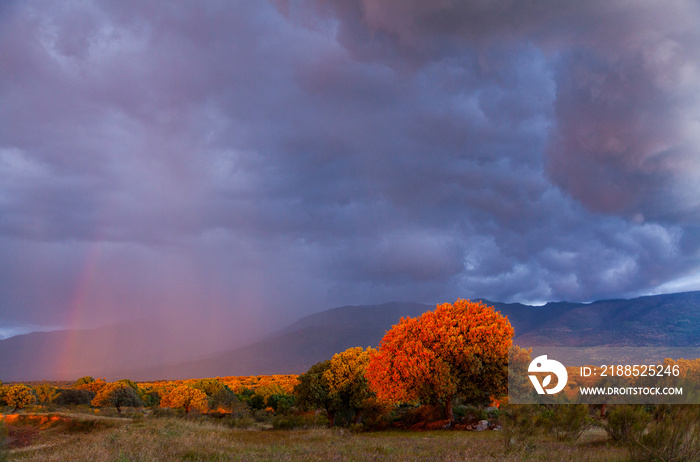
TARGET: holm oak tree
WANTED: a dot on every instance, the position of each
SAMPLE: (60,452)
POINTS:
(459,349)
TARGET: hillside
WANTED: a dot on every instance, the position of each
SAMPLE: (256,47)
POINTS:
(661,320)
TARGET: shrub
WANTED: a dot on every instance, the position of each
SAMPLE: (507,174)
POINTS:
(626,423)
(72,396)
(569,421)
(674,437)
(521,423)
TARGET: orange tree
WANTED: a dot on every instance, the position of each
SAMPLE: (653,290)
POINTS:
(459,349)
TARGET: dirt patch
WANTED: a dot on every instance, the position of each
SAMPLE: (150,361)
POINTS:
(21,437)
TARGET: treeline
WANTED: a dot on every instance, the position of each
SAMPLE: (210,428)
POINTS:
(215,395)
(457,354)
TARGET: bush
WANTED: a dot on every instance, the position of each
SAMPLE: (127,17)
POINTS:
(521,423)
(469,413)
(625,423)
(675,436)
(71,396)
(569,421)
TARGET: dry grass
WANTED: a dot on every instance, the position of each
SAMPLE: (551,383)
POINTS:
(173,439)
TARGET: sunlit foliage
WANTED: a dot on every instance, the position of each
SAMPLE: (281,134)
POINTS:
(45,393)
(90,384)
(19,396)
(459,349)
(186,397)
(346,380)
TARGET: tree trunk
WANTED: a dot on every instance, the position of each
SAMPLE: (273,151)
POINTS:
(357,418)
(448,409)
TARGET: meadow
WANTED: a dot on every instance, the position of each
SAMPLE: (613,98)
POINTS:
(135,437)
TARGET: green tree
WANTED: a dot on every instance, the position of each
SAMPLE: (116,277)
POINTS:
(313,391)
(117,394)
(280,402)
(72,396)
(19,396)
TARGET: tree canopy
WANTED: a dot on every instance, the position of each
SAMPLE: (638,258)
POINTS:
(346,379)
(118,394)
(459,349)
(186,397)
(313,391)
(19,396)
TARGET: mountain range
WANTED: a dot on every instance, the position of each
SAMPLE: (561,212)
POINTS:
(669,320)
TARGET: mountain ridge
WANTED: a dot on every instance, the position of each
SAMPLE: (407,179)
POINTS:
(658,320)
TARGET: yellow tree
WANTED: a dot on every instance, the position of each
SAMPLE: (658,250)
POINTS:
(346,379)
(186,397)
(45,393)
(459,349)
(19,396)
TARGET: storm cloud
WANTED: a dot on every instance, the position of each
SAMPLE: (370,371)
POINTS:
(247,163)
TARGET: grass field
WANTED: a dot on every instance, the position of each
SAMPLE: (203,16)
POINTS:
(78,437)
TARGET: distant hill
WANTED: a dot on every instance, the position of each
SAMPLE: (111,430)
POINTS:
(661,320)
(100,352)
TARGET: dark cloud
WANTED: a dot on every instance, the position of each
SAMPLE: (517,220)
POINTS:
(253,162)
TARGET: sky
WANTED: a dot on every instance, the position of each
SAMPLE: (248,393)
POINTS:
(241,164)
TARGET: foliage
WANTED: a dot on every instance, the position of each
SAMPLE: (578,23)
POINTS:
(521,424)
(459,349)
(83,381)
(625,423)
(117,394)
(224,398)
(72,396)
(92,385)
(257,401)
(45,393)
(280,403)
(186,397)
(673,437)
(518,361)
(569,421)
(19,396)
(209,386)
(150,398)
(313,391)
(346,380)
